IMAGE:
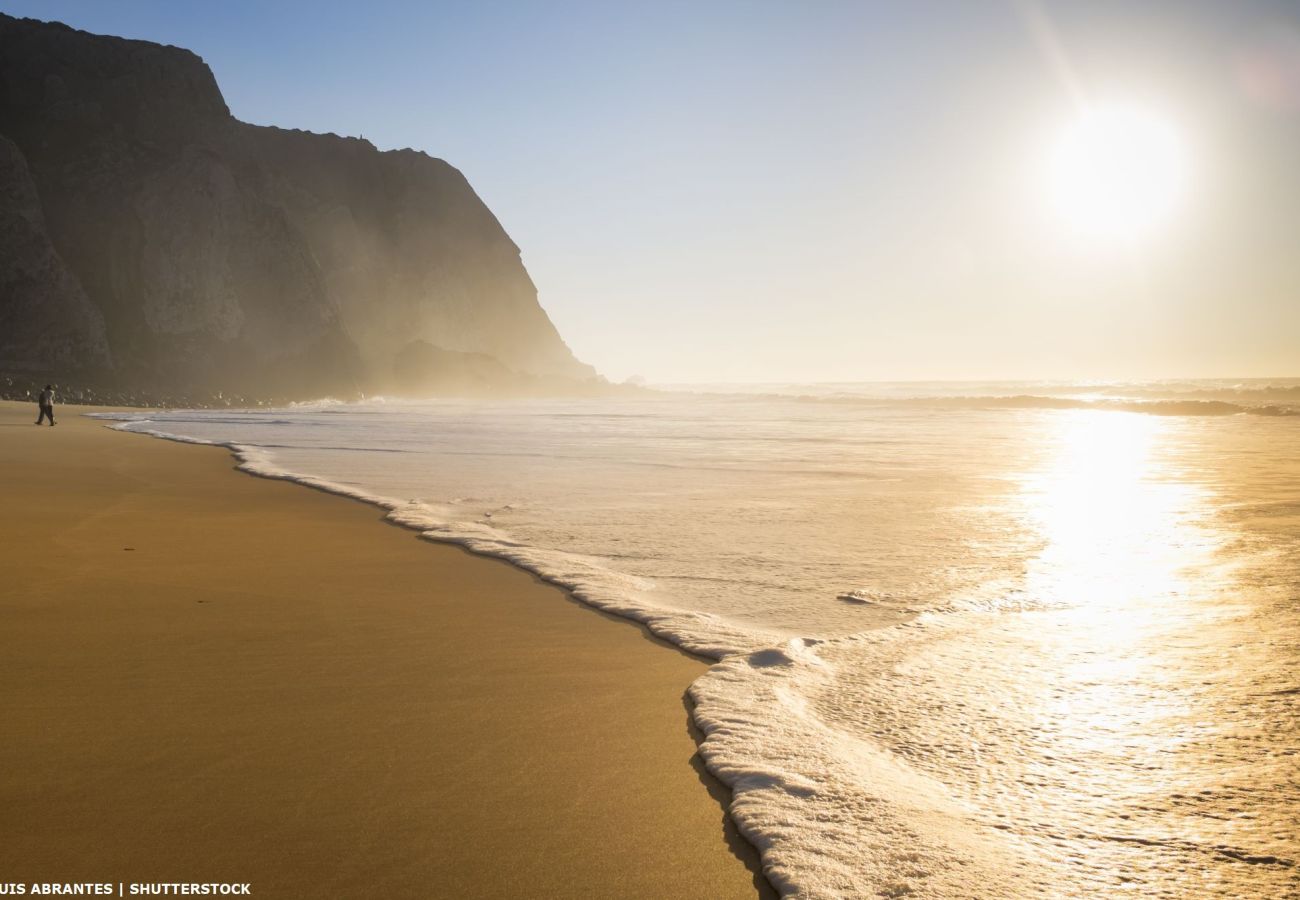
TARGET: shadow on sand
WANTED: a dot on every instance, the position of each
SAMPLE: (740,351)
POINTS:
(742,849)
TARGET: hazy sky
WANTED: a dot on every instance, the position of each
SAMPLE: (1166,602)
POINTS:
(799,191)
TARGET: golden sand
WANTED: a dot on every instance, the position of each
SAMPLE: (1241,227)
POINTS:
(206,676)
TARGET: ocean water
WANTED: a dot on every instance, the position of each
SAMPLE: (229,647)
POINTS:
(996,640)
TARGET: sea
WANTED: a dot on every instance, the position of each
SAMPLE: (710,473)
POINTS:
(978,640)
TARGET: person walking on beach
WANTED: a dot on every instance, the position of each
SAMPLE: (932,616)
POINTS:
(46,402)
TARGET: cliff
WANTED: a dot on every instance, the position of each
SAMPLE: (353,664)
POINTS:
(149,238)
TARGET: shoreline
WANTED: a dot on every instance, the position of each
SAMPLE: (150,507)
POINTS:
(630,812)
(674,628)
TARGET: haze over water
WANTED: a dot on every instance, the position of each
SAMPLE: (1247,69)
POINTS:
(1023,643)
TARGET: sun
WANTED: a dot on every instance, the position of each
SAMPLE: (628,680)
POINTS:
(1117,173)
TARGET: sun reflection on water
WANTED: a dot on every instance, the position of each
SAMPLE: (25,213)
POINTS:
(1119,528)
(1115,715)
(1124,543)
(1132,621)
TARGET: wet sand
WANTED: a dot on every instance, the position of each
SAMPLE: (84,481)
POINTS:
(206,676)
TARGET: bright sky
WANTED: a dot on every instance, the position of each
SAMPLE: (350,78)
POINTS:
(765,190)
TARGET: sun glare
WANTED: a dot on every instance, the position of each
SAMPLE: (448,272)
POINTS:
(1117,173)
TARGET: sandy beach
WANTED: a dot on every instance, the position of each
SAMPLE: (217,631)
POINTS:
(206,676)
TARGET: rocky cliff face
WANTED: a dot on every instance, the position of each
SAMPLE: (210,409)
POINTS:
(46,320)
(148,237)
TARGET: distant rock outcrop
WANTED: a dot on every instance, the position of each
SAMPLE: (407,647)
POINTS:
(147,237)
